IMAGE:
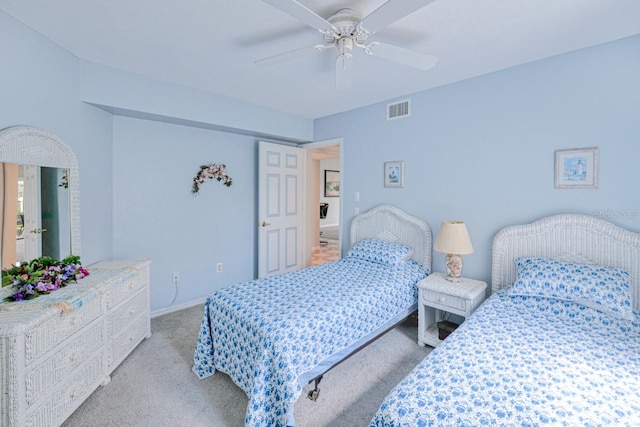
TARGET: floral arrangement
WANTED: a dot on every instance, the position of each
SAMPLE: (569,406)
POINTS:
(213,171)
(41,276)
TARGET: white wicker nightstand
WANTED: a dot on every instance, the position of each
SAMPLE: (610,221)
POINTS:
(436,294)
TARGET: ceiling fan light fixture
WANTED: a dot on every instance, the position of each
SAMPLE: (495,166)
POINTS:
(345,46)
(344,30)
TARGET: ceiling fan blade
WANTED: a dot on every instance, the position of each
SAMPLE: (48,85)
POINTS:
(344,72)
(302,13)
(402,56)
(275,59)
(390,12)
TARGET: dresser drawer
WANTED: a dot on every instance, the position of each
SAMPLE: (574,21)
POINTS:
(122,344)
(47,335)
(68,395)
(121,318)
(131,281)
(76,351)
(440,299)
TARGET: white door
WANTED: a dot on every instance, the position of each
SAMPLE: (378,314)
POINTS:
(280,213)
(32,218)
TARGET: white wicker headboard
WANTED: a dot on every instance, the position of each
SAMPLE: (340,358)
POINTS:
(570,237)
(387,222)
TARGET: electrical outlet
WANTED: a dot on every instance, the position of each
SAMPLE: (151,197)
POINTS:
(219,267)
(176,277)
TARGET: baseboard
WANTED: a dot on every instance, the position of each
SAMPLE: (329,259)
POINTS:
(178,307)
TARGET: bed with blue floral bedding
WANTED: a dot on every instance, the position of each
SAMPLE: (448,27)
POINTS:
(525,361)
(558,342)
(267,334)
(274,334)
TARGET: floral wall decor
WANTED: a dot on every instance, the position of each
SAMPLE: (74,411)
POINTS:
(213,171)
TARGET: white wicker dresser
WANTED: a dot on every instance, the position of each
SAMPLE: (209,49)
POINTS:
(55,350)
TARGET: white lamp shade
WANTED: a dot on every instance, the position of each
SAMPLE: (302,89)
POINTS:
(453,238)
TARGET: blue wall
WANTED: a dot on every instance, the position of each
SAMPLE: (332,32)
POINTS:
(491,138)
(482,150)
(136,174)
(38,87)
(156,216)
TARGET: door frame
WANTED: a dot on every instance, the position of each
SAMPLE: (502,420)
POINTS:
(310,202)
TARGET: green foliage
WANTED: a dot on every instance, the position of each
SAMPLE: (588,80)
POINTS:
(41,276)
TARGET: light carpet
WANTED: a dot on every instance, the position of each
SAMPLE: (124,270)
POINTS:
(154,386)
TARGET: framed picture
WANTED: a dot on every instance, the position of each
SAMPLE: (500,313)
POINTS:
(576,168)
(394,174)
(331,183)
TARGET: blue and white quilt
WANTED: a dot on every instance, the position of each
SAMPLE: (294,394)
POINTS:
(525,361)
(268,334)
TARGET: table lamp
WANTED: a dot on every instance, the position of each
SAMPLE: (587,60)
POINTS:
(453,239)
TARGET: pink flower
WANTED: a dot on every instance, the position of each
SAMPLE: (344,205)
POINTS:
(213,171)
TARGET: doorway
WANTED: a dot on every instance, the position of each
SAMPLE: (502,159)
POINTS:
(324,201)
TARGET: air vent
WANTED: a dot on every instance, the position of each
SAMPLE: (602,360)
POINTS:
(398,110)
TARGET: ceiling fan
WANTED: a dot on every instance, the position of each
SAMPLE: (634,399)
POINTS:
(345,31)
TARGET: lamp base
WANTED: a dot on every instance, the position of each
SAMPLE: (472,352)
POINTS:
(453,262)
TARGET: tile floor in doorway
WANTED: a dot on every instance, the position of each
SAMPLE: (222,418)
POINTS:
(325,253)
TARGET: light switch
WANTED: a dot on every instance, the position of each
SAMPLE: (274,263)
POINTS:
(356,197)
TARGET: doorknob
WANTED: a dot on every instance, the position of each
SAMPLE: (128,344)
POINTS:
(38,230)
(264,223)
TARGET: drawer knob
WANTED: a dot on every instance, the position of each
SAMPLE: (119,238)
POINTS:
(441,299)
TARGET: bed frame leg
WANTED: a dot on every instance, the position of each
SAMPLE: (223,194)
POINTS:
(313,394)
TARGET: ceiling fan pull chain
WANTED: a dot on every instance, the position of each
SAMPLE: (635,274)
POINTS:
(343,60)
(346,46)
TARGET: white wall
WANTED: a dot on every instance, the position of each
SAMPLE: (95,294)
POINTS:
(333,213)
(482,150)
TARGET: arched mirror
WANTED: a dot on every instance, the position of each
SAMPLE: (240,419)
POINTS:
(39,191)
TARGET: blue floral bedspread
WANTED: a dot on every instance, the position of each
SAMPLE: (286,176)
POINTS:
(266,333)
(525,361)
